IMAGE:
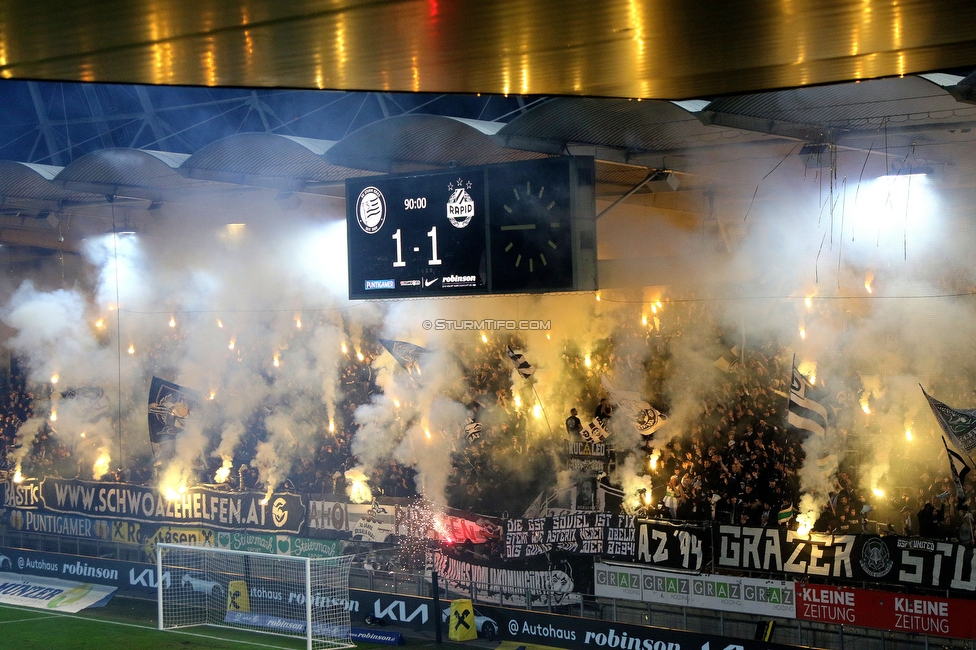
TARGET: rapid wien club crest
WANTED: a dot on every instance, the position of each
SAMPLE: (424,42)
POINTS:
(460,205)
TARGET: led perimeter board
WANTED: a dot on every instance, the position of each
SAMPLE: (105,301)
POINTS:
(524,227)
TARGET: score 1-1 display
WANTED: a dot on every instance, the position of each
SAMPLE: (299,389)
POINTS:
(418,235)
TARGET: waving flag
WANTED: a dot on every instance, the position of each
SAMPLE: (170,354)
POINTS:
(629,404)
(805,413)
(169,406)
(91,402)
(959,469)
(406,354)
(523,367)
(595,431)
(958,424)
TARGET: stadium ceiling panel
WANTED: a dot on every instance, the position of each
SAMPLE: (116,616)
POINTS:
(832,112)
(408,143)
(286,163)
(629,128)
(615,48)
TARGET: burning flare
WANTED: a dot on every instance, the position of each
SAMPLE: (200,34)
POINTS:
(223,473)
(865,406)
(358,489)
(102,463)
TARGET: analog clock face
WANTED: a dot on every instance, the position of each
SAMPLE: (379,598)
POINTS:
(531,237)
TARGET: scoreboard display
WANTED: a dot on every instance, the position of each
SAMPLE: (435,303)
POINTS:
(517,227)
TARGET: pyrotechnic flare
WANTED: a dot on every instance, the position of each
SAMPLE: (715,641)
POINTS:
(102,463)
(358,486)
(223,472)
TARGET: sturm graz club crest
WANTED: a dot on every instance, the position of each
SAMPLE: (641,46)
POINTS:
(370,210)
(875,559)
(460,205)
(649,420)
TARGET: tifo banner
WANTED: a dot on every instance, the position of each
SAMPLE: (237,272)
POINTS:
(905,561)
(725,593)
(681,547)
(883,610)
(52,593)
(587,457)
(382,522)
(283,512)
(501,584)
(589,533)
(366,521)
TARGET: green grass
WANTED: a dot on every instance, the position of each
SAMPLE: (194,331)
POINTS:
(127,624)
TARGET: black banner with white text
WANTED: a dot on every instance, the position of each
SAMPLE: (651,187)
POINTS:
(905,561)
(584,533)
(678,547)
(281,512)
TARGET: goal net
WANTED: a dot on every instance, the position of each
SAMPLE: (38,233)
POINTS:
(297,597)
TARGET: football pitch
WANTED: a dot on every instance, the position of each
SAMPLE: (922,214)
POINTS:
(129,624)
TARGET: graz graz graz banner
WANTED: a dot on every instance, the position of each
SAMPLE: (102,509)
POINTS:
(905,561)
(284,513)
(705,591)
(584,533)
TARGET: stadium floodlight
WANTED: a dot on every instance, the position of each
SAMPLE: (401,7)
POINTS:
(299,597)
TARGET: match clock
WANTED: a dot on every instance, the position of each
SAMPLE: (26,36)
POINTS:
(531,227)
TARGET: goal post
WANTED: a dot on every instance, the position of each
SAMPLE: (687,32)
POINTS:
(297,597)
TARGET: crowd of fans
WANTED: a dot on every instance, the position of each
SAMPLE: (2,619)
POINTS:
(734,460)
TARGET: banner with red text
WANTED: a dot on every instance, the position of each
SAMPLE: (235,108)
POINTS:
(883,610)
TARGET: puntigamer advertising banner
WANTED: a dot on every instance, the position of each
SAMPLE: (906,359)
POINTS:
(201,506)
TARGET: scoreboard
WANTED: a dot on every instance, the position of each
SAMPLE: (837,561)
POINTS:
(516,227)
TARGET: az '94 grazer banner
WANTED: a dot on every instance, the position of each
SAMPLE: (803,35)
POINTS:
(906,561)
(282,512)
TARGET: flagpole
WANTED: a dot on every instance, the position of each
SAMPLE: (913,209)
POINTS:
(789,392)
(544,414)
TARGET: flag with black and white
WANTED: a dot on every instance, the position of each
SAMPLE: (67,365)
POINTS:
(958,424)
(805,413)
(594,431)
(524,368)
(472,430)
(169,407)
(408,355)
(959,469)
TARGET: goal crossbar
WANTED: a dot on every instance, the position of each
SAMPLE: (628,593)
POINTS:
(298,597)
